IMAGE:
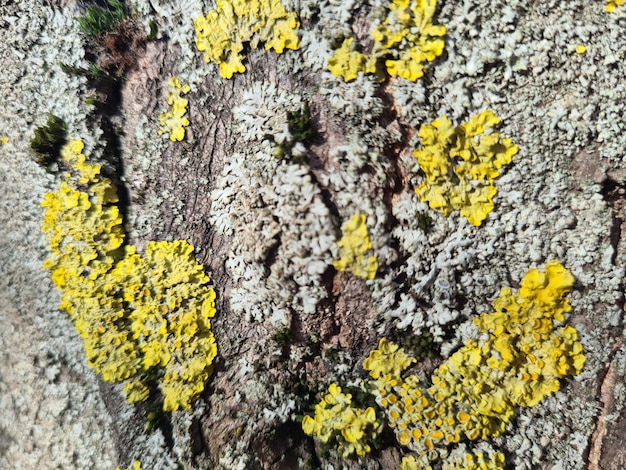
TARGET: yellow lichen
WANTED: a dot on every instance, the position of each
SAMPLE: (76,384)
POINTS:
(135,466)
(347,63)
(352,429)
(405,42)
(221,34)
(409,462)
(354,247)
(387,359)
(4,140)
(173,121)
(144,319)
(475,461)
(581,49)
(474,393)
(460,164)
(611,5)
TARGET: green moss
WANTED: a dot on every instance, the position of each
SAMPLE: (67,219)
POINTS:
(424,221)
(300,124)
(154,29)
(283,337)
(98,21)
(421,346)
(49,140)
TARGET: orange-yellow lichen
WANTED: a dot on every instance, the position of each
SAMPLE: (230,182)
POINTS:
(221,34)
(351,429)
(354,247)
(142,318)
(173,121)
(460,164)
(405,42)
(474,393)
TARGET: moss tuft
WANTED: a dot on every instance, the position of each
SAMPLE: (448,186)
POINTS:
(98,21)
(48,140)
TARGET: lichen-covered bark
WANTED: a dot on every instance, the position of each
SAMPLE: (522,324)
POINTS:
(265,227)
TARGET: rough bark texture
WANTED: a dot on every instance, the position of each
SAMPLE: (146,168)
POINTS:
(563,198)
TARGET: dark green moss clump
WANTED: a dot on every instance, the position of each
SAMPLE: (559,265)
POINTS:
(421,346)
(300,130)
(49,140)
(98,21)
(283,337)
(424,221)
(300,124)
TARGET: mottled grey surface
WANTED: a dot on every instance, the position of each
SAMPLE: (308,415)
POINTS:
(265,227)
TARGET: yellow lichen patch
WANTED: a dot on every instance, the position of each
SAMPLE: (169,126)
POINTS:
(460,164)
(135,466)
(405,42)
(4,140)
(347,63)
(387,359)
(354,247)
(170,304)
(409,462)
(474,393)
(475,461)
(142,318)
(611,5)
(351,429)
(221,34)
(173,121)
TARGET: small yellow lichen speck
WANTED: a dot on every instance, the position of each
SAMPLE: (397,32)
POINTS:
(336,420)
(4,140)
(405,42)
(173,121)
(460,164)
(141,318)
(474,393)
(221,34)
(354,247)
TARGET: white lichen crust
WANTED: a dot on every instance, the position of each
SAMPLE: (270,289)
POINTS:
(282,231)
